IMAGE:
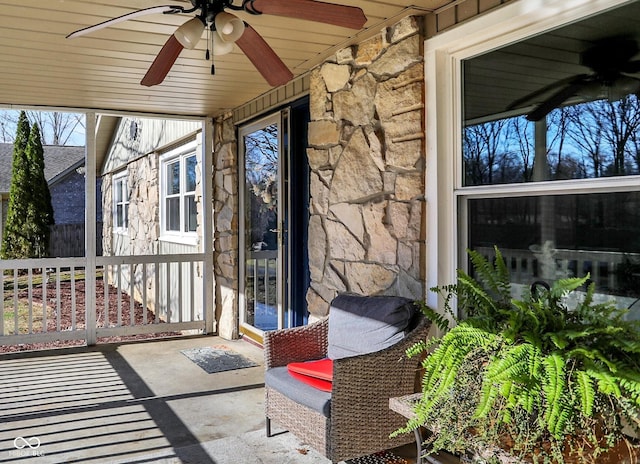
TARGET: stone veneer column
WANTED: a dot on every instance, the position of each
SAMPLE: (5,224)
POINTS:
(225,220)
(366,154)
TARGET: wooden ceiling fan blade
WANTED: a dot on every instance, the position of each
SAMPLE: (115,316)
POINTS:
(311,10)
(263,57)
(167,9)
(531,97)
(632,67)
(554,101)
(163,62)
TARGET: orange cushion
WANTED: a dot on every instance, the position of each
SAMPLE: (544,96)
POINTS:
(320,369)
(323,385)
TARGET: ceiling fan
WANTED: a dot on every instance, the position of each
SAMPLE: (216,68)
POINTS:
(611,62)
(227,29)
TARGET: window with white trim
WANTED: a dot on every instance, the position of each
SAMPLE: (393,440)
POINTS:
(120,203)
(546,161)
(178,192)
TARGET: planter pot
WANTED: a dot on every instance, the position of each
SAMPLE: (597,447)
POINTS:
(624,452)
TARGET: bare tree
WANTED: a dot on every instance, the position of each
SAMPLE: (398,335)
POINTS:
(623,122)
(483,150)
(585,131)
(57,127)
(563,165)
(635,149)
(8,126)
(520,133)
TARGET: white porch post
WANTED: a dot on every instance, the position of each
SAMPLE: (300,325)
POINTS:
(208,302)
(90,227)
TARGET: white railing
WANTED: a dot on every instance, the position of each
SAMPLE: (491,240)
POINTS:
(38,305)
(261,289)
(549,264)
(166,288)
(44,299)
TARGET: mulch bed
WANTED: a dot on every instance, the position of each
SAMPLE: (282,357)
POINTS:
(66,316)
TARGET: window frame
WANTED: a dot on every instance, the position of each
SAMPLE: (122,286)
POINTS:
(444,53)
(179,155)
(120,179)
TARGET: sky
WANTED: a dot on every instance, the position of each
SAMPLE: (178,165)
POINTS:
(70,126)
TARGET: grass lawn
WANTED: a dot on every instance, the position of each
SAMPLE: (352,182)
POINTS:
(36,279)
(23,317)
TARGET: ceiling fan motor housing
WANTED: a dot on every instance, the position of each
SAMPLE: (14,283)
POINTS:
(609,57)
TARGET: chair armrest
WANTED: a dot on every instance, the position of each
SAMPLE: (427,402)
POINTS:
(296,344)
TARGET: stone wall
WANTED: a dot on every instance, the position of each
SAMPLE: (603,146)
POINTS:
(142,237)
(144,210)
(366,154)
(225,220)
(144,207)
(107,221)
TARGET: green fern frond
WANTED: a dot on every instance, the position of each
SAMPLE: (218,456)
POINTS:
(630,384)
(488,394)
(592,354)
(562,287)
(530,393)
(586,392)
(590,333)
(554,388)
(447,293)
(472,298)
(494,277)
(503,281)
(417,349)
(558,426)
(606,383)
(626,345)
(559,340)
(443,365)
(434,363)
(512,365)
(440,320)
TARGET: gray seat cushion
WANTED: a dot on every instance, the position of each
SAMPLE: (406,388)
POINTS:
(279,379)
(365,324)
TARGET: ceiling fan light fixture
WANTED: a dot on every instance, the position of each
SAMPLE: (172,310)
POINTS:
(189,33)
(593,90)
(220,46)
(617,89)
(229,27)
(623,86)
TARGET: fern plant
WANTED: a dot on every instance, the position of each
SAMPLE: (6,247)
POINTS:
(528,375)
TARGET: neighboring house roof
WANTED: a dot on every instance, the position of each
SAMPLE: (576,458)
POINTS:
(58,161)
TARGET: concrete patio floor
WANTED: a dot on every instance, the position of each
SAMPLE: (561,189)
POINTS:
(138,402)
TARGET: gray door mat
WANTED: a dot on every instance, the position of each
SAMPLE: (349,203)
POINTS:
(217,359)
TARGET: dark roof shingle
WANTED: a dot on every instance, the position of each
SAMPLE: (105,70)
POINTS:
(57,160)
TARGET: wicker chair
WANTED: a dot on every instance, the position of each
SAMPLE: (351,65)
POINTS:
(358,420)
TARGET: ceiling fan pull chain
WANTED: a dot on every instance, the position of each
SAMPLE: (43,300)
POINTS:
(210,56)
(207,55)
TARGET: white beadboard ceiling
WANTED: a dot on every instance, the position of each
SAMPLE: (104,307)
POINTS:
(494,80)
(102,71)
